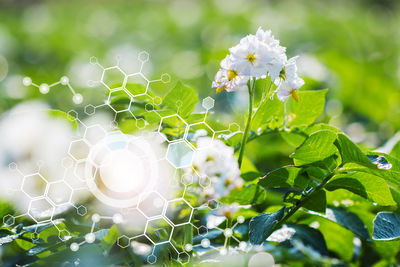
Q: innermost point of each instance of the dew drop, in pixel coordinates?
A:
(380, 161)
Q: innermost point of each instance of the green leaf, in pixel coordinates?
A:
(59, 114)
(350, 152)
(6, 236)
(269, 114)
(320, 126)
(307, 235)
(395, 152)
(250, 176)
(390, 175)
(307, 109)
(341, 244)
(317, 202)
(251, 194)
(181, 99)
(111, 238)
(366, 185)
(261, 225)
(318, 146)
(293, 138)
(386, 226)
(348, 220)
(282, 177)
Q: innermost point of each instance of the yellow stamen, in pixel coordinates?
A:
(295, 95)
(282, 74)
(209, 158)
(232, 74)
(221, 88)
(251, 58)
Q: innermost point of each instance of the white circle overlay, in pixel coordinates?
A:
(125, 165)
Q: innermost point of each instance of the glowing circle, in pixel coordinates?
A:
(27, 81)
(122, 171)
(261, 259)
(44, 88)
(188, 247)
(77, 98)
(74, 246)
(90, 238)
(120, 167)
(205, 243)
(64, 80)
(95, 217)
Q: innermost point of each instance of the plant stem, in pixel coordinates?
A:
(247, 129)
(300, 204)
(228, 239)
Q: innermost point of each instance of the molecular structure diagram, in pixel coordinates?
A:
(44, 88)
(103, 149)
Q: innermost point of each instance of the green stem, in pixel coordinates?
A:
(266, 93)
(300, 204)
(188, 238)
(247, 129)
(228, 225)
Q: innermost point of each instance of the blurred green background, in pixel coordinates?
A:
(350, 47)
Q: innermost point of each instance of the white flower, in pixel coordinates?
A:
(250, 56)
(289, 82)
(275, 65)
(216, 161)
(228, 210)
(227, 77)
(28, 135)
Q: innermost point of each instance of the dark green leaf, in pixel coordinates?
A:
(348, 220)
(386, 226)
(262, 225)
(282, 177)
(307, 235)
(250, 176)
(317, 202)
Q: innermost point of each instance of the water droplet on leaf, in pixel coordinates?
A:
(380, 161)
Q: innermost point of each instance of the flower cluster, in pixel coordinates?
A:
(214, 161)
(257, 56)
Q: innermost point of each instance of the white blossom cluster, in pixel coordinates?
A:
(215, 161)
(257, 56)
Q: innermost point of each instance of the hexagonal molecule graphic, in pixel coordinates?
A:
(119, 100)
(94, 134)
(34, 185)
(8, 220)
(208, 103)
(123, 241)
(198, 130)
(112, 77)
(79, 149)
(158, 230)
(152, 204)
(41, 210)
(177, 127)
(180, 154)
(179, 211)
(136, 84)
(159, 219)
(59, 193)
